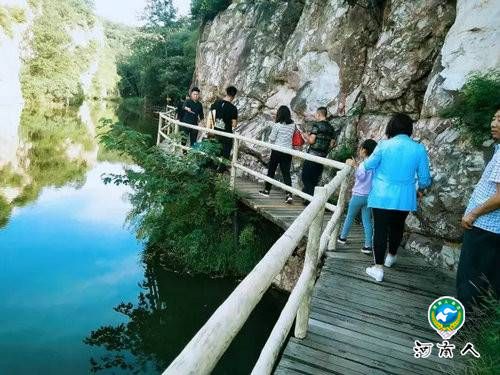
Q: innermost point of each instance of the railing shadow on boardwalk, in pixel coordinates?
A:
(345, 323)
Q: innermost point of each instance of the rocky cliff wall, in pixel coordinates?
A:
(382, 56)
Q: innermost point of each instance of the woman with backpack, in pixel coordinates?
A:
(281, 135)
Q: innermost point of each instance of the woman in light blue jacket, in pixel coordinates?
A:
(401, 170)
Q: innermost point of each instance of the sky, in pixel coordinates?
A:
(128, 11)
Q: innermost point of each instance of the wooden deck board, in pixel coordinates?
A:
(359, 326)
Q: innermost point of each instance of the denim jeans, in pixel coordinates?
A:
(359, 203)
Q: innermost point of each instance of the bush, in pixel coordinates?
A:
(475, 105)
(186, 212)
(206, 10)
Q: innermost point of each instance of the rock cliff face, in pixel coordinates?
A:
(382, 56)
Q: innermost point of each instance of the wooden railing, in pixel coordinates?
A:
(202, 353)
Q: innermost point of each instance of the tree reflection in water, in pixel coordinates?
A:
(170, 310)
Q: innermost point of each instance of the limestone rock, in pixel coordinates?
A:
(400, 62)
(472, 45)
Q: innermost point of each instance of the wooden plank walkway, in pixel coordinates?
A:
(359, 326)
(273, 208)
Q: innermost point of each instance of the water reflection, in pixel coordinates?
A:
(167, 314)
(67, 259)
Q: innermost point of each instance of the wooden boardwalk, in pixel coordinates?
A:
(359, 326)
(273, 208)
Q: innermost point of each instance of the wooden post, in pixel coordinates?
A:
(233, 163)
(332, 244)
(158, 138)
(311, 262)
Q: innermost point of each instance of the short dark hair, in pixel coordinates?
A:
(195, 89)
(323, 111)
(399, 123)
(369, 145)
(284, 115)
(231, 91)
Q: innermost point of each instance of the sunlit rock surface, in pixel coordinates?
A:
(400, 56)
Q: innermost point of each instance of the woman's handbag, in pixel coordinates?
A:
(297, 139)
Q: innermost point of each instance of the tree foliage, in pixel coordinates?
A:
(474, 106)
(185, 210)
(162, 63)
(206, 10)
(52, 73)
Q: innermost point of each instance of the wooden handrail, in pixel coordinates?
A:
(300, 154)
(202, 353)
(204, 350)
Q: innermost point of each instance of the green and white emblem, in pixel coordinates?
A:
(446, 315)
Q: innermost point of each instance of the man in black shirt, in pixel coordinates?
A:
(226, 119)
(191, 113)
(320, 140)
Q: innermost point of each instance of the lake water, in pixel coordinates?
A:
(74, 293)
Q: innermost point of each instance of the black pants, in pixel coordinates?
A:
(285, 163)
(311, 174)
(479, 266)
(192, 134)
(227, 146)
(387, 224)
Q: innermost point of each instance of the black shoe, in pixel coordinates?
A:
(366, 250)
(341, 240)
(289, 199)
(265, 193)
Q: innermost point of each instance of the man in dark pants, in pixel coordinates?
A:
(320, 139)
(192, 113)
(226, 119)
(479, 265)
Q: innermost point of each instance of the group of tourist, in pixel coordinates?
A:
(391, 176)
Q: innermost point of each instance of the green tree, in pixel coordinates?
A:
(52, 73)
(159, 14)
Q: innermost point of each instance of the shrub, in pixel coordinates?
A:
(206, 10)
(184, 210)
(475, 105)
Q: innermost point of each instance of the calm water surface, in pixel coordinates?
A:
(74, 293)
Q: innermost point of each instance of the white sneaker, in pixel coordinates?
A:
(376, 272)
(390, 260)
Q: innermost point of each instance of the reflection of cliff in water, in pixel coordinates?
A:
(45, 148)
(169, 311)
(54, 147)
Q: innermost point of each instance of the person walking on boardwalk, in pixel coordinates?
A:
(320, 139)
(359, 199)
(395, 164)
(225, 119)
(191, 113)
(479, 264)
(281, 135)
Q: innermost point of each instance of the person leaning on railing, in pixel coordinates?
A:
(395, 163)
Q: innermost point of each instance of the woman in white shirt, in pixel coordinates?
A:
(281, 135)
